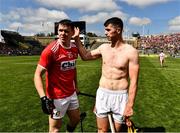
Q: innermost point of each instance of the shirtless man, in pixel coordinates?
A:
(119, 63)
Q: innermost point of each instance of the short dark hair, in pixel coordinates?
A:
(114, 21)
(66, 22)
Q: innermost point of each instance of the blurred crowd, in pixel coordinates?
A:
(170, 44)
(11, 50)
(151, 44)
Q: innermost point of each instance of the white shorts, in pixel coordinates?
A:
(108, 100)
(62, 105)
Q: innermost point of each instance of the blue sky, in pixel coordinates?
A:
(29, 17)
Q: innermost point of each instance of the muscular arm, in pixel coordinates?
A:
(133, 75)
(85, 54)
(38, 81)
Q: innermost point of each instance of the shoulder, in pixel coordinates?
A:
(74, 48)
(131, 52)
(104, 46)
(51, 44)
(51, 47)
(130, 48)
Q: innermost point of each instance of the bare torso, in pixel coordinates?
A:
(114, 67)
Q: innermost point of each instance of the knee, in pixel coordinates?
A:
(73, 123)
(76, 119)
(54, 129)
(101, 130)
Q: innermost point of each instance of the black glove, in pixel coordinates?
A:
(47, 105)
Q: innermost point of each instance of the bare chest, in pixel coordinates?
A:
(115, 58)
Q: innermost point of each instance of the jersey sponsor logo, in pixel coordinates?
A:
(68, 65)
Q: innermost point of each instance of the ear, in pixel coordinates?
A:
(119, 30)
(72, 32)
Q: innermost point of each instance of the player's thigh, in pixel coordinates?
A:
(54, 125)
(117, 126)
(102, 124)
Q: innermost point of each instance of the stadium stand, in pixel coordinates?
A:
(15, 44)
(156, 43)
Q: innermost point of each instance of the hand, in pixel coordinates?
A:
(76, 32)
(128, 121)
(128, 111)
(77, 91)
(47, 105)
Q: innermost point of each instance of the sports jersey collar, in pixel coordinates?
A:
(59, 41)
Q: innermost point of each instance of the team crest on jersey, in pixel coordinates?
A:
(69, 54)
(68, 65)
(62, 56)
(75, 55)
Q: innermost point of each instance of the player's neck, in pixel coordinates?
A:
(117, 43)
(65, 45)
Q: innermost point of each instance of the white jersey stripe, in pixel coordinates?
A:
(42, 66)
(55, 47)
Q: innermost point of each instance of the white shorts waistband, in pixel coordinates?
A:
(112, 91)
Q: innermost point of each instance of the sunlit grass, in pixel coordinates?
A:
(156, 109)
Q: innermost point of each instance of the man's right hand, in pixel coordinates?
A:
(47, 105)
(76, 33)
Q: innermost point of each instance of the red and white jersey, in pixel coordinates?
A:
(60, 64)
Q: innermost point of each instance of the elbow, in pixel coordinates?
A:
(84, 59)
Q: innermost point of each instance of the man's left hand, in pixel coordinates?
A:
(76, 32)
(128, 111)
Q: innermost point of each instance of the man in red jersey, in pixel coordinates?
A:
(58, 60)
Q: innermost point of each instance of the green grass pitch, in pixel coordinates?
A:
(157, 105)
